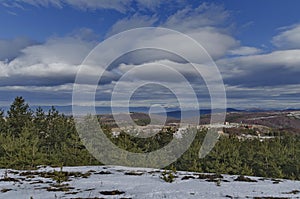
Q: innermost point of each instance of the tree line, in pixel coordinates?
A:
(31, 138)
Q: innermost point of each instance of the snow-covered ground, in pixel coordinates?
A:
(142, 183)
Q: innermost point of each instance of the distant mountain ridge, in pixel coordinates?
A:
(171, 112)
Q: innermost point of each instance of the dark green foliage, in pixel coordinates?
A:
(141, 145)
(21, 151)
(168, 176)
(28, 140)
(278, 158)
(18, 115)
(143, 122)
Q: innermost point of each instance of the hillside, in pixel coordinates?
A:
(288, 121)
(279, 120)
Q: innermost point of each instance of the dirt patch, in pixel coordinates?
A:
(59, 187)
(133, 173)
(242, 178)
(187, 177)
(113, 192)
(292, 192)
(103, 173)
(9, 179)
(210, 177)
(5, 190)
(276, 181)
(59, 176)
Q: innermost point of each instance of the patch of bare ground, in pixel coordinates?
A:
(242, 178)
(113, 192)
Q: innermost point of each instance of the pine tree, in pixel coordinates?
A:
(40, 119)
(29, 147)
(21, 152)
(18, 115)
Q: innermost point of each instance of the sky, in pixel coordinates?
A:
(255, 45)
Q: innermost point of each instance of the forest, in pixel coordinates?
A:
(29, 138)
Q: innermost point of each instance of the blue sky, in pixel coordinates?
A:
(256, 45)
(256, 21)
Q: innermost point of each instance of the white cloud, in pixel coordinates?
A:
(57, 50)
(160, 39)
(245, 50)
(167, 71)
(264, 97)
(43, 3)
(289, 38)
(150, 4)
(84, 34)
(59, 88)
(119, 5)
(206, 24)
(216, 43)
(10, 49)
(58, 57)
(135, 21)
(289, 59)
(206, 15)
(271, 69)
